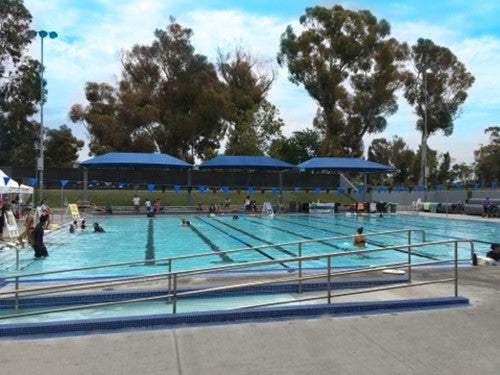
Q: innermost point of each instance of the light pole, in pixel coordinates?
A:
(423, 68)
(40, 165)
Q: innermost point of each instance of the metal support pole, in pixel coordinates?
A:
(456, 269)
(169, 275)
(16, 297)
(300, 268)
(174, 298)
(329, 280)
(409, 257)
(188, 187)
(17, 258)
(280, 199)
(365, 186)
(85, 185)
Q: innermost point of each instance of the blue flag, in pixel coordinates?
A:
(177, 188)
(202, 189)
(151, 187)
(274, 190)
(340, 190)
(399, 189)
(439, 187)
(33, 181)
(296, 189)
(494, 185)
(381, 189)
(250, 189)
(6, 180)
(458, 186)
(225, 189)
(360, 189)
(317, 190)
(420, 188)
(63, 183)
(121, 185)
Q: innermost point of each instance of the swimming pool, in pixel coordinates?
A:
(141, 238)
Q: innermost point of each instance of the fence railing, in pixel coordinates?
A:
(173, 293)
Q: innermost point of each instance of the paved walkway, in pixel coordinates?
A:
(452, 341)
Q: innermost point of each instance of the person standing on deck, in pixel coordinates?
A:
(136, 201)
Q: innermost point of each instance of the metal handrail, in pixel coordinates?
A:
(175, 294)
(199, 255)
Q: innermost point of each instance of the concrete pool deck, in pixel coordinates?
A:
(447, 341)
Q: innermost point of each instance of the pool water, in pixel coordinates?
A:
(142, 238)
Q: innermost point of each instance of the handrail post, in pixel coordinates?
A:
(300, 268)
(17, 258)
(456, 268)
(329, 280)
(169, 275)
(174, 297)
(472, 251)
(409, 257)
(16, 297)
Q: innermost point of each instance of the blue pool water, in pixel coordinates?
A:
(141, 238)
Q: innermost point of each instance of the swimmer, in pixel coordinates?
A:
(71, 228)
(98, 228)
(185, 222)
(83, 225)
(359, 239)
(235, 217)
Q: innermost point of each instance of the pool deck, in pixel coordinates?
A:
(461, 340)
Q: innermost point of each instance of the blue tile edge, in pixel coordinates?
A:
(166, 321)
(74, 299)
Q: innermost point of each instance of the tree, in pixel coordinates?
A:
(461, 173)
(169, 100)
(61, 148)
(255, 131)
(348, 65)
(252, 121)
(443, 173)
(19, 87)
(445, 87)
(395, 153)
(487, 157)
(301, 146)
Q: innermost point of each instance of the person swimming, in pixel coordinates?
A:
(71, 228)
(359, 239)
(98, 228)
(235, 217)
(83, 225)
(185, 222)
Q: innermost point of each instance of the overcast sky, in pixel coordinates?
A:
(92, 34)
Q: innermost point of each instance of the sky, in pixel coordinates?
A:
(93, 34)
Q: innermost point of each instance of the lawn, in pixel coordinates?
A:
(55, 198)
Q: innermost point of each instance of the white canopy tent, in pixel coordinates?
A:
(12, 187)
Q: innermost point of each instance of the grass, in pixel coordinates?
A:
(55, 198)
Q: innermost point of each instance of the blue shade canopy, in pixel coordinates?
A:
(135, 159)
(246, 162)
(345, 164)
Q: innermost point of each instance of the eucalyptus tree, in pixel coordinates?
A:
(350, 67)
(487, 157)
(169, 99)
(437, 89)
(19, 86)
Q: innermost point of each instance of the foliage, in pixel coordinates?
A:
(255, 131)
(19, 87)
(461, 173)
(443, 173)
(487, 157)
(348, 65)
(61, 148)
(438, 93)
(169, 100)
(301, 146)
(252, 121)
(395, 153)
